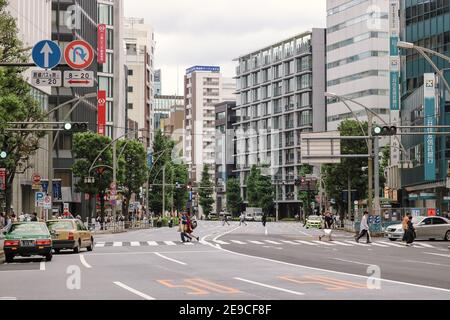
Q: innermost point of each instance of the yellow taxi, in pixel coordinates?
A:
(70, 234)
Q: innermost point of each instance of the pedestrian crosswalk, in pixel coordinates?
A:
(241, 242)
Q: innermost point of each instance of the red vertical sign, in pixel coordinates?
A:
(2, 179)
(101, 41)
(101, 112)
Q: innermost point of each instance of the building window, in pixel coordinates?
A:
(130, 89)
(105, 14)
(131, 49)
(130, 72)
(130, 106)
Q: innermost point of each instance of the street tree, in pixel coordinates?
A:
(253, 196)
(161, 166)
(233, 194)
(16, 104)
(351, 171)
(206, 191)
(86, 147)
(132, 170)
(265, 190)
(181, 194)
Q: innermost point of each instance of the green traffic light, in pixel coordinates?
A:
(68, 126)
(377, 130)
(3, 155)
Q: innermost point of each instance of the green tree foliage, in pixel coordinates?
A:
(132, 169)
(16, 103)
(181, 195)
(206, 191)
(252, 191)
(304, 196)
(234, 199)
(336, 175)
(86, 147)
(162, 150)
(265, 189)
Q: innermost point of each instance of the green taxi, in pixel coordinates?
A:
(314, 221)
(27, 239)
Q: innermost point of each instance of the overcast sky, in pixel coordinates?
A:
(214, 32)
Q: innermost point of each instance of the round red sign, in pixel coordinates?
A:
(79, 55)
(36, 179)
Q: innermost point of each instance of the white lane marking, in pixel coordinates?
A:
(376, 244)
(355, 262)
(138, 253)
(323, 242)
(99, 244)
(438, 254)
(220, 242)
(140, 294)
(42, 266)
(271, 287)
(289, 242)
(7, 298)
(429, 263)
(256, 242)
(117, 244)
(238, 242)
(170, 243)
(272, 242)
(152, 243)
(392, 244)
(135, 243)
(306, 242)
(424, 245)
(83, 261)
(266, 232)
(357, 243)
(170, 259)
(343, 244)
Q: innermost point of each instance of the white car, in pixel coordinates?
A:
(426, 228)
(258, 216)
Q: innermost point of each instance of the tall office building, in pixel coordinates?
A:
(280, 95)
(140, 48)
(33, 21)
(163, 107)
(357, 58)
(426, 24)
(204, 87)
(72, 20)
(158, 83)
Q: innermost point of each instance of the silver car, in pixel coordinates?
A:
(426, 228)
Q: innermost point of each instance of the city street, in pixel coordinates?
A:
(234, 263)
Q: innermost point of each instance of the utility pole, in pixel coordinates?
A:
(349, 195)
(164, 191)
(377, 175)
(370, 162)
(114, 209)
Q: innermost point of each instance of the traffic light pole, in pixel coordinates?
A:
(370, 163)
(377, 175)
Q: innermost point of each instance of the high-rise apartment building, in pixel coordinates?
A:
(280, 95)
(204, 87)
(357, 58)
(140, 48)
(34, 24)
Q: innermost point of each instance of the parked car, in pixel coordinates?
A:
(27, 239)
(70, 234)
(314, 221)
(253, 214)
(426, 228)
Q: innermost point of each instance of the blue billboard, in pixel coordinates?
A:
(430, 120)
(203, 68)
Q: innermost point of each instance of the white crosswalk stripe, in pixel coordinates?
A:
(392, 244)
(256, 242)
(357, 243)
(423, 245)
(324, 243)
(237, 241)
(117, 244)
(135, 243)
(376, 244)
(342, 244)
(272, 242)
(220, 242)
(188, 243)
(170, 243)
(289, 242)
(100, 244)
(152, 243)
(306, 242)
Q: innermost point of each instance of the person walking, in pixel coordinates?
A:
(364, 228)
(242, 219)
(264, 220)
(410, 232)
(328, 225)
(191, 225)
(34, 217)
(225, 219)
(405, 226)
(185, 237)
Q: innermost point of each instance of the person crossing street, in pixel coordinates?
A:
(242, 219)
(364, 228)
(328, 225)
(225, 219)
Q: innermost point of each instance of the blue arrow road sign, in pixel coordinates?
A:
(46, 54)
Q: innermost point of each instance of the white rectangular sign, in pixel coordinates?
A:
(46, 78)
(320, 147)
(83, 79)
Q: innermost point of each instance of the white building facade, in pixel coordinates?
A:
(357, 58)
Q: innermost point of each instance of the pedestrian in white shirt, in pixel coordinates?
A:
(364, 228)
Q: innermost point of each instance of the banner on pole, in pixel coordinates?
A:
(101, 112)
(101, 41)
(430, 120)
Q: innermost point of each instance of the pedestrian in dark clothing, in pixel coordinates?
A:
(225, 219)
(184, 228)
(410, 232)
(264, 220)
(34, 217)
(328, 225)
(364, 228)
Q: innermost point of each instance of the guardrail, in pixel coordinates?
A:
(119, 226)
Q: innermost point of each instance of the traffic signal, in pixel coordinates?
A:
(76, 126)
(384, 131)
(3, 149)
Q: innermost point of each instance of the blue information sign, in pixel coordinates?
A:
(46, 54)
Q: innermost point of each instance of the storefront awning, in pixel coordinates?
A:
(431, 185)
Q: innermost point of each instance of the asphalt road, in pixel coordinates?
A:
(234, 263)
